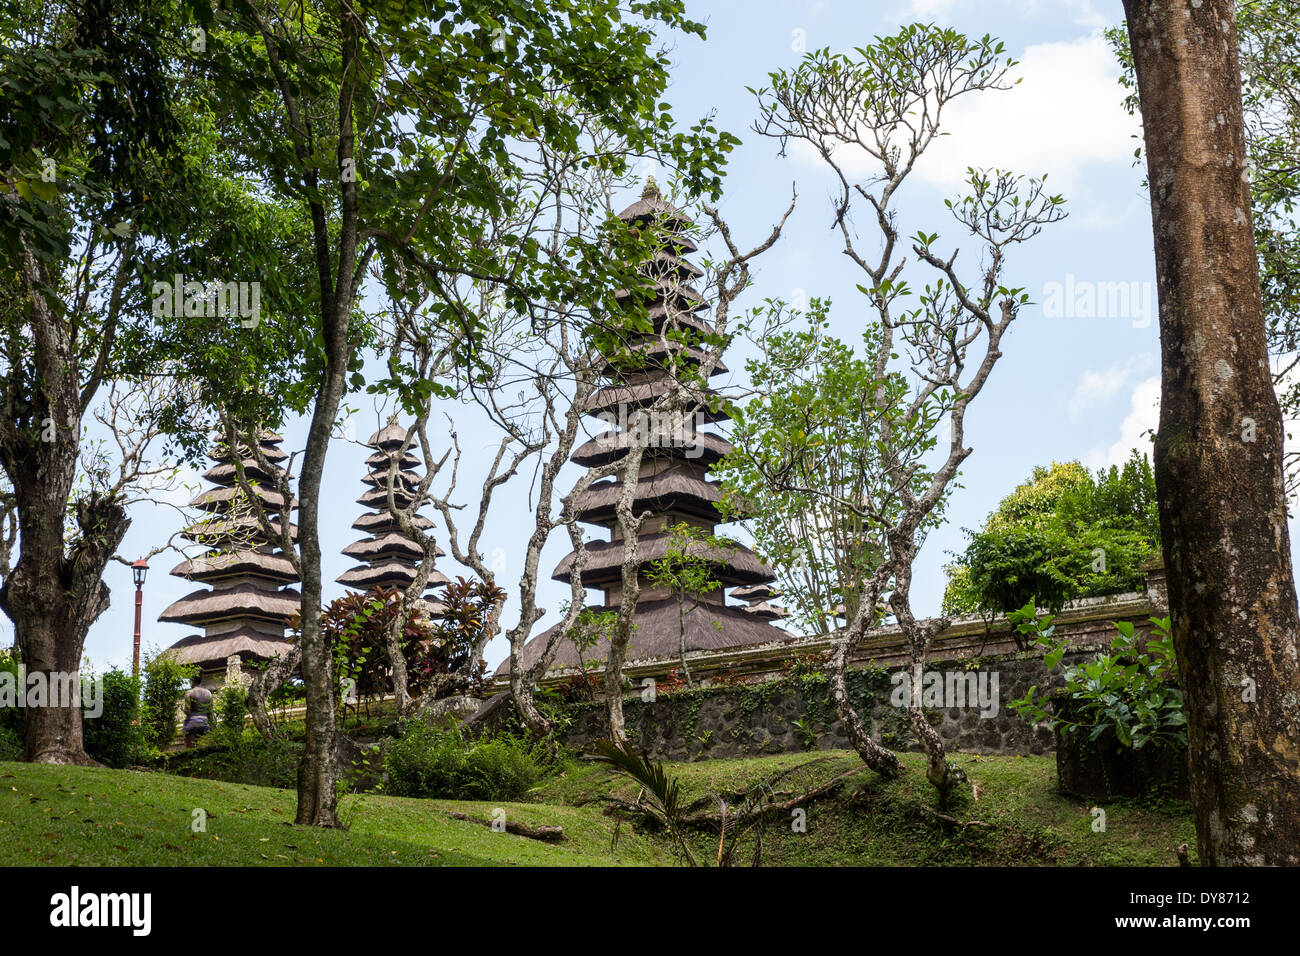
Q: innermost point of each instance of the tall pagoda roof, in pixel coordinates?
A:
(390, 559)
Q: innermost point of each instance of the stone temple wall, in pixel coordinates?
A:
(794, 713)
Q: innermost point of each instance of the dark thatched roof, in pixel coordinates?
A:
(765, 611)
(656, 634)
(393, 543)
(241, 530)
(680, 488)
(274, 567)
(732, 564)
(248, 643)
(643, 394)
(610, 446)
(245, 600)
(387, 574)
(389, 438)
(380, 459)
(378, 498)
(381, 521)
(759, 592)
(653, 354)
(223, 473)
(222, 499)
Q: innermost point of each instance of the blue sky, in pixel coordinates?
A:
(1069, 387)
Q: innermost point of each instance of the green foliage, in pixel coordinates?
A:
(231, 708)
(664, 801)
(807, 456)
(251, 760)
(444, 764)
(11, 718)
(1064, 534)
(1131, 691)
(165, 682)
(357, 627)
(116, 736)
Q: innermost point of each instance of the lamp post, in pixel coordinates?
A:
(138, 570)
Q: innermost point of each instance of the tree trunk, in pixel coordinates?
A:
(1218, 453)
(56, 590)
(882, 761)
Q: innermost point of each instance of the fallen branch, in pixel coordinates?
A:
(547, 833)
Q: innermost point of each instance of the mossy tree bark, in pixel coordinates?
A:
(1218, 453)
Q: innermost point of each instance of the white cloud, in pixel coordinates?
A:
(1096, 387)
(1065, 117)
(1143, 417)
(1078, 12)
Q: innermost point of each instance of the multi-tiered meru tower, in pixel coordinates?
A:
(672, 483)
(244, 608)
(390, 558)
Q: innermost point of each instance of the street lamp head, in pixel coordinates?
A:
(138, 570)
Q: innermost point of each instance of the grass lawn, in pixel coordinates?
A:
(62, 816)
(90, 816)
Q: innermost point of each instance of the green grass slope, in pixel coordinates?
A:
(61, 816)
(91, 816)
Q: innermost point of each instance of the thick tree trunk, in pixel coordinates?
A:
(1218, 453)
(56, 590)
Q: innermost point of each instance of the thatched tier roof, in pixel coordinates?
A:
(607, 400)
(223, 473)
(731, 564)
(219, 500)
(247, 642)
(765, 611)
(392, 543)
(709, 627)
(214, 565)
(664, 263)
(383, 521)
(758, 592)
(389, 438)
(403, 479)
(219, 451)
(378, 498)
(245, 600)
(243, 531)
(380, 459)
(653, 354)
(387, 574)
(665, 289)
(678, 489)
(610, 446)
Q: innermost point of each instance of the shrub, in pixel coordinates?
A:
(255, 761)
(1131, 691)
(231, 708)
(116, 737)
(11, 718)
(165, 682)
(425, 762)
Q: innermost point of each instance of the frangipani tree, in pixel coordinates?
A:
(930, 350)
